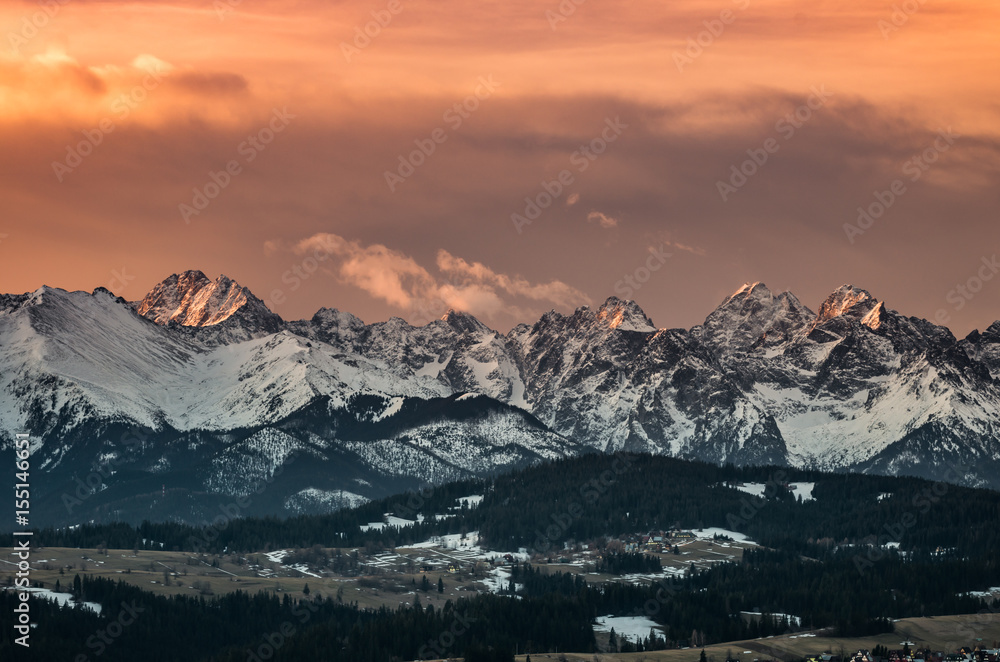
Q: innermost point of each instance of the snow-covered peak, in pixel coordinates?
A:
(624, 316)
(846, 301)
(464, 322)
(747, 290)
(191, 299)
(334, 317)
(754, 316)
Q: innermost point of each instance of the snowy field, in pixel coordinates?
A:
(632, 628)
(804, 490)
(61, 598)
(278, 556)
(712, 531)
(388, 519)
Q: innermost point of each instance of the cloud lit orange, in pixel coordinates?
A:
(184, 84)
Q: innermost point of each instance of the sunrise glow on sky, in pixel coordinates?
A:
(719, 141)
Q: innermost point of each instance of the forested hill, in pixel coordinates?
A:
(545, 506)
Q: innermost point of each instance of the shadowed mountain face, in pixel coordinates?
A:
(203, 391)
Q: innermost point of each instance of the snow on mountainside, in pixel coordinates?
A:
(637, 388)
(220, 391)
(454, 354)
(754, 317)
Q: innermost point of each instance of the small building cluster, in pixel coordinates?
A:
(964, 654)
(656, 542)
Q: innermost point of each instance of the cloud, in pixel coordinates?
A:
(665, 238)
(399, 280)
(606, 222)
(690, 249)
(55, 87)
(555, 292)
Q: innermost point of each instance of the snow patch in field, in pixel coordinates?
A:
(804, 490)
(304, 569)
(985, 595)
(276, 557)
(61, 598)
(712, 531)
(498, 580)
(632, 628)
(391, 520)
(471, 501)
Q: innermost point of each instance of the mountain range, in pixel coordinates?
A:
(173, 406)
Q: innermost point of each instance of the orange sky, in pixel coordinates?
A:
(182, 85)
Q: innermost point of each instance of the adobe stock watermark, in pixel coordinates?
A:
(899, 17)
(967, 291)
(122, 107)
(914, 168)
(234, 510)
(580, 159)
(415, 500)
(364, 34)
(33, 24)
(713, 30)
(300, 272)
(922, 502)
(249, 149)
(629, 284)
(437, 647)
(119, 280)
(565, 9)
(591, 492)
(784, 127)
(668, 587)
(749, 510)
(273, 641)
(100, 641)
(969, 630)
(454, 117)
(93, 482)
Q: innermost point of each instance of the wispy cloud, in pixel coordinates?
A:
(605, 221)
(690, 249)
(399, 280)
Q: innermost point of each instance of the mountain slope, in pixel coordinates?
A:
(215, 391)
